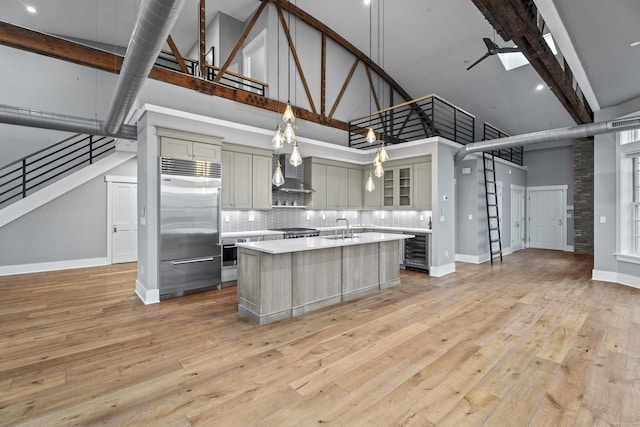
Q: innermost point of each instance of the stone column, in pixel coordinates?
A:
(583, 195)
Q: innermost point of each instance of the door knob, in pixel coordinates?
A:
(115, 228)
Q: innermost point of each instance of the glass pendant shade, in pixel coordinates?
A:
(378, 171)
(378, 158)
(296, 159)
(277, 141)
(288, 115)
(371, 136)
(289, 135)
(384, 156)
(369, 185)
(278, 178)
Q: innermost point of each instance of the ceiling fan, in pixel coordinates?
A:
(493, 49)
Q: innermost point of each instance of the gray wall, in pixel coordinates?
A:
(472, 237)
(71, 227)
(552, 166)
(605, 190)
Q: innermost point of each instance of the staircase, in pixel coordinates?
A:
(491, 196)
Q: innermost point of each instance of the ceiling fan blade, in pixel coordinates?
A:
(486, 55)
(490, 45)
(508, 50)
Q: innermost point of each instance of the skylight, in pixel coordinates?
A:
(517, 59)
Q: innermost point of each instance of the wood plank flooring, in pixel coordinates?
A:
(532, 341)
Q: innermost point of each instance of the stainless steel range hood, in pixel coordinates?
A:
(291, 183)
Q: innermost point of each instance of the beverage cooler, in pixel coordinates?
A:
(416, 252)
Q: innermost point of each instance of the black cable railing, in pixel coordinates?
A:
(417, 119)
(29, 174)
(513, 154)
(167, 60)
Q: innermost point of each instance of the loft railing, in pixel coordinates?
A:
(513, 154)
(29, 174)
(167, 60)
(417, 119)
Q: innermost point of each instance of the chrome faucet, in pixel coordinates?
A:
(348, 230)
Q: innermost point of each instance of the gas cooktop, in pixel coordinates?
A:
(293, 232)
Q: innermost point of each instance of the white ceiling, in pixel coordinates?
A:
(427, 47)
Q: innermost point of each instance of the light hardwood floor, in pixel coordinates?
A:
(530, 342)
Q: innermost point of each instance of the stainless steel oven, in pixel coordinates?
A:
(230, 256)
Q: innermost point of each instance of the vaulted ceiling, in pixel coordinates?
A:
(426, 46)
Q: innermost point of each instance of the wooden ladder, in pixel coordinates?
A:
(491, 196)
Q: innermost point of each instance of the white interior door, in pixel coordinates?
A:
(517, 218)
(124, 232)
(546, 219)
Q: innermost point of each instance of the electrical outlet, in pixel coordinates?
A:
(308, 217)
(252, 217)
(226, 218)
(470, 217)
(323, 217)
(446, 253)
(421, 217)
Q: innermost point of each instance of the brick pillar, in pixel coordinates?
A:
(583, 195)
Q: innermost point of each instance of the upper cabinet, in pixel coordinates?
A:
(246, 178)
(422, 186)
(403, 186)
(189, 146)
(338, 185)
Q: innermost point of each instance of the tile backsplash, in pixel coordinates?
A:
(280, 217)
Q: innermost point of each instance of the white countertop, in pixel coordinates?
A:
(312, 243)
(377, 227)
(231, 234)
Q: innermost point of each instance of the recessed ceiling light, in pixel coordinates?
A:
(634, 44)
(367, 2)
(31, 9)
(540, 87)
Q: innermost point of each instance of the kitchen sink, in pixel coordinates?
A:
(340, 237)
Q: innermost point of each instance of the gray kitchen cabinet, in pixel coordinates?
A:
(397, 185)
(315, 175)
(337, 189)
(261, 182)
(246, 179)
(373, 199)
(188, 146)
(422, 186)
(355, 186)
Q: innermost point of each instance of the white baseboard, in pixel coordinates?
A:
(151, 296)
(8, 270)
(615, 277)
(568, 248)
(439, 271)
(472, 259)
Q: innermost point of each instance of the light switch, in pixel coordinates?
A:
(466, 171)
(441, 218)
(603, 220)
(470, 217)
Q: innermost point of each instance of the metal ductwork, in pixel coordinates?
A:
(154, 22)
(575, 132)
(40, 119)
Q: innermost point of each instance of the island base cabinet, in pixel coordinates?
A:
(359, 270)
(316, 279)
(265, 294)
(389, 271)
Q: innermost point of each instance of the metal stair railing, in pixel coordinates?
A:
(491, 197)
(33, 172)
(513, 154)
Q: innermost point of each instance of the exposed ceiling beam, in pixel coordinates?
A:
(516, 20)
(43, 44)
(176, 53)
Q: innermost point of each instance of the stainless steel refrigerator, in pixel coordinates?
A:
(190, 244)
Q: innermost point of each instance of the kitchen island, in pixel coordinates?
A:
(284, 278)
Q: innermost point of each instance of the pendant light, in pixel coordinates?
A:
(371, 135)
(277, 141)
(369, 185)
(278, 178)
(288, 117)
(296, 159)
(378, 170)
(384, 156)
